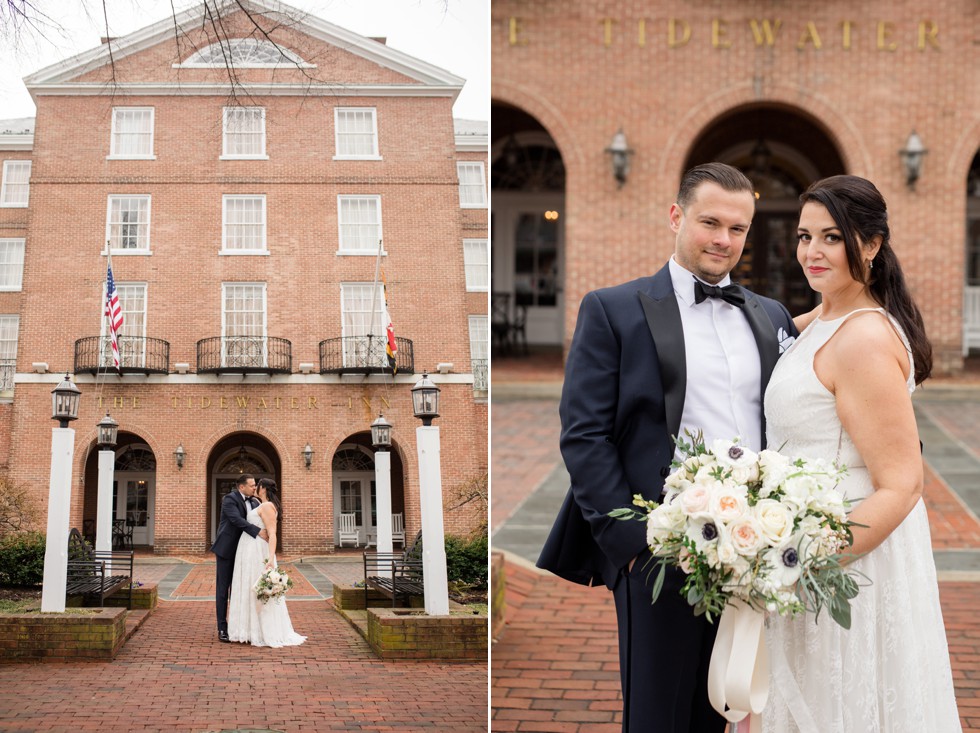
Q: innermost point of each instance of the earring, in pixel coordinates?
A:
(871, 264)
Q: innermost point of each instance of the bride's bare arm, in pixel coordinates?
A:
(866, 366)
(269, 515)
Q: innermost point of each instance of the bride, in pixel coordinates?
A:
(250, 620)
(843, 392)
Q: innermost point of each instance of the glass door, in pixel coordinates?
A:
(134, 505)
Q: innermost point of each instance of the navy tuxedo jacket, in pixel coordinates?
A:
(622, 400)
(232, 524)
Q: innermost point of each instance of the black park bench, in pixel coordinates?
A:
(94, 574)
(395, 574)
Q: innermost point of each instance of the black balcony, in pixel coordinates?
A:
(137, 355)
(244, 355)
(364, 355)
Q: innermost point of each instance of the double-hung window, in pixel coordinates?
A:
(356, 133)
(477, 264)
(479, 351)
(9, 325)
(128, 224)
(363, 331)
(359, 218)
(11, 264)
(132, 133)
(243, 334)
(472, 185)
(244, 133)
(243, 224)
(15, 190)
(131, 338)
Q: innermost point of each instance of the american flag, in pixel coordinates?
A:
(113, 311)
(391, 347)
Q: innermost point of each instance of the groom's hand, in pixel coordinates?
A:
(264, 535)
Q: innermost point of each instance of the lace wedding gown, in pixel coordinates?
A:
(250, 620)
(890, 672)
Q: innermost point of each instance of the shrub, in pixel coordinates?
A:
(466, 560)
(22, 559)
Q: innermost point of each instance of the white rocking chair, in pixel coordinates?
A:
(398, 529)
(348, 531)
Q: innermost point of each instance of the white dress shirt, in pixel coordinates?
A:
(723, 373)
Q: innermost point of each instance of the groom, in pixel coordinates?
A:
(234, 507)
(682, 350)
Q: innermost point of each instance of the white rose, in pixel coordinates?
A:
(662, 522)
(775, 520)
(727, 554)
(799, 489)
(678, 480)
(695, 499)
(747, 536)
(728, 503)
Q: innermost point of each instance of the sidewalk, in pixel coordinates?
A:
(555, 665)
(174, 675)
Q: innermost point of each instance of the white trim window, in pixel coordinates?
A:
(11, 263)
(132, 335)
(359, 220)
(132, 133)
(243, 324)
(243, 224)
(15, 191)
(364, 334)
(472, 184)
(9, 329)
(243, 135)
(479, 352)
(356, 133)
(476, 261)
(244, 53)
(128, 224)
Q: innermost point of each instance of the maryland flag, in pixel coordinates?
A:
(391, 347)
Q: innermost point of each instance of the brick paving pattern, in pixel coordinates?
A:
(200, 581)
(173, 675)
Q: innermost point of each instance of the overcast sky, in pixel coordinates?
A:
(451, 34)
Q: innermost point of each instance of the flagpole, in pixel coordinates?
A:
(374, 290)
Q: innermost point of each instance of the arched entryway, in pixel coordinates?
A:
(232, 456)
(355, 489)
(527, 179)
(133, 492)
(971, 288)
(782, 151)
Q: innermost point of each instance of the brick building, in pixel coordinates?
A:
(789, 92)
(243, 207)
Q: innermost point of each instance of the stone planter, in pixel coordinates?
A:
(401, 634)
(498, 590)
(86, 634)
(143, 597)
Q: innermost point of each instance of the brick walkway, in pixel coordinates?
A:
(555, 665)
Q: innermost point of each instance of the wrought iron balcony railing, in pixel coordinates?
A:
(244, 355)
(481, 382)
(137, 355)
(8, 367)
(364, 355)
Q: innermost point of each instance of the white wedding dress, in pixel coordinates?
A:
(250, 620)
(890, 672)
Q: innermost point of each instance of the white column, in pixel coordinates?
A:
(103, 532)
(433, 535)
(59, 502)
(382, 483)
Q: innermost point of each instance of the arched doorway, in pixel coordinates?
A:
(782, 152)
(355, 489)
(232, 456)
(971, 288)
(133, 491)
(527, 180)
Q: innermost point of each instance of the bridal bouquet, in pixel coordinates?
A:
(273, 583)
(761, 528)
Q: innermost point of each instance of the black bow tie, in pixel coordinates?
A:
(730, 293)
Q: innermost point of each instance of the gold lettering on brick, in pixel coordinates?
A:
(641, 32)
(172, 399)
(311, 403)
(366, 401)
(607, 24)
(845, 36)
(765, 31)
(293, 403)
(278, 402)
(928, 33)
(262, 404)
(205, 403)
(242, 401)
(117, 402)
(385, 402)
(885, 30)
(222, 403)
(516, 29)
(719, 28)
(810, 35)
(673, 40)
(136, 403)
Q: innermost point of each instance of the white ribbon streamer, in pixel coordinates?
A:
(738, 678)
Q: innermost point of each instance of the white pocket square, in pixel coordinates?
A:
(785, 340)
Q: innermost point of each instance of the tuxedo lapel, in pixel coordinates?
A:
(664, 321)
(767, 343)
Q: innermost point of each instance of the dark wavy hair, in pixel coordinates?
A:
(859, 210)
(272, 491)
